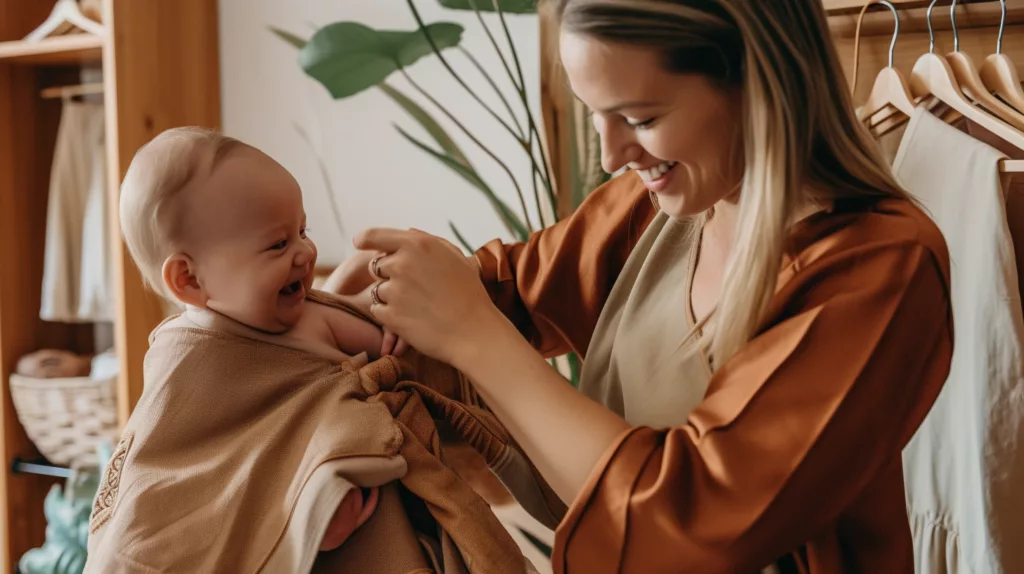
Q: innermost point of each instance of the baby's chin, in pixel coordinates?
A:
(274, 319)
(276, 323)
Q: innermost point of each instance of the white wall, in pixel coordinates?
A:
(379, 178)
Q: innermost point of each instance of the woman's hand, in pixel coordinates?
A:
(429, 293)
(433, 297)
(353, 277)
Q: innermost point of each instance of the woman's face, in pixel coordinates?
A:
(679, 132)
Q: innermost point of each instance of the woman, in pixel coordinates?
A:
(761, 339)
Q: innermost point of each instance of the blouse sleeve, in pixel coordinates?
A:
(791, 430)
(553, 286)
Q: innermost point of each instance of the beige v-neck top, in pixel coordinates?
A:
(641, 337)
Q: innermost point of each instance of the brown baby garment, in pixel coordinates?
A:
(243, 444)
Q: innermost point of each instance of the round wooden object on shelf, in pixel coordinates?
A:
(53, 363)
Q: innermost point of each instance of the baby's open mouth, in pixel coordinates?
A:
(292, 289)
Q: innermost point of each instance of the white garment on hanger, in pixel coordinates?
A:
(77, 283)
(964, 469)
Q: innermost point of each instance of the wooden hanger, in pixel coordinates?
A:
(65, 15)
(71, 91)
(971, 84)
(890, 89)
(932, 76)
(999, 73)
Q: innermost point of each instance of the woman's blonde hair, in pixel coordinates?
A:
(802, 142)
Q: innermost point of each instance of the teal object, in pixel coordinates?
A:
(67, 510)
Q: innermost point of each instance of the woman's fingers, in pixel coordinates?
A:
(383, 239)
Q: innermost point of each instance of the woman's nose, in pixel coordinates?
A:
(617, 148)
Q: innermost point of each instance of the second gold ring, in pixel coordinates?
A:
(374, 295)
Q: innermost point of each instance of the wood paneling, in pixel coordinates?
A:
(164, 72)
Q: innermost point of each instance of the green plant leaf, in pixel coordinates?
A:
(348, 57)
(508, 217)
(507, 6)
(289, 37)
(427, 121)
(458, 236)
(575, 366)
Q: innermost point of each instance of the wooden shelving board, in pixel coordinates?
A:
(71, 49)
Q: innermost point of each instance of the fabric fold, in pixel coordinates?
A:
(243, 445)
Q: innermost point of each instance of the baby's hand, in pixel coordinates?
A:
(393, 344)
(352, 513)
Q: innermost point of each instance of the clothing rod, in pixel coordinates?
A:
(23, 467)
(75, 90)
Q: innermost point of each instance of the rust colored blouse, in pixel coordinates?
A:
(793, 457)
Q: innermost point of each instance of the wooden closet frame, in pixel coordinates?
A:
(161, 68)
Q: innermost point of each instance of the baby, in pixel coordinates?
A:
(215, 224)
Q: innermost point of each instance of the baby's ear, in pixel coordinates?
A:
(180, 279)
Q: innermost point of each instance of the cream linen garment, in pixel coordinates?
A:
(964, 469)
(77, 284)
(638, 363)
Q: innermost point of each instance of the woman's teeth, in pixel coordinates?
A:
(657, 171)
(292, 289)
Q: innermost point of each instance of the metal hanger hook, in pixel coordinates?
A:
(931, 31)
(895, 31)
(1002, 27)
(952, 21)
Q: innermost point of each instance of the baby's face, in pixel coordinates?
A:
(248, 240)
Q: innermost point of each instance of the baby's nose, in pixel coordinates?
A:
(304, 255)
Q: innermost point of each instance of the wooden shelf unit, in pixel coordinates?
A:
(160, 64)
(67, 50)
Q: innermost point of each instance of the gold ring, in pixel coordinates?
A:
(374, 296)
(375, 267)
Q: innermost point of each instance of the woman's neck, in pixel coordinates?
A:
(722, 223)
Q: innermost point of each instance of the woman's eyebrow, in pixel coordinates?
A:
(628, 105)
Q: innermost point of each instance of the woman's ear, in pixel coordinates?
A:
(179, 273)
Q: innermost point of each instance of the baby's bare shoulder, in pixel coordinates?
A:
(316, 324)
(351, 334)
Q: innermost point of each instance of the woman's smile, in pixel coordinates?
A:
(657, 177)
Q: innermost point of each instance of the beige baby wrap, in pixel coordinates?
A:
(243, 445)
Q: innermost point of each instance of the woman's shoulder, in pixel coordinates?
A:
(864, 226)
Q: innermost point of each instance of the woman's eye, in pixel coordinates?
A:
(640, 125)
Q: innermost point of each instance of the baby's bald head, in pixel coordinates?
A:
(151, 206)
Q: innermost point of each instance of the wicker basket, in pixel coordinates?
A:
(67, 418)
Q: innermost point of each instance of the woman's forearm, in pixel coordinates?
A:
(563, 432)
